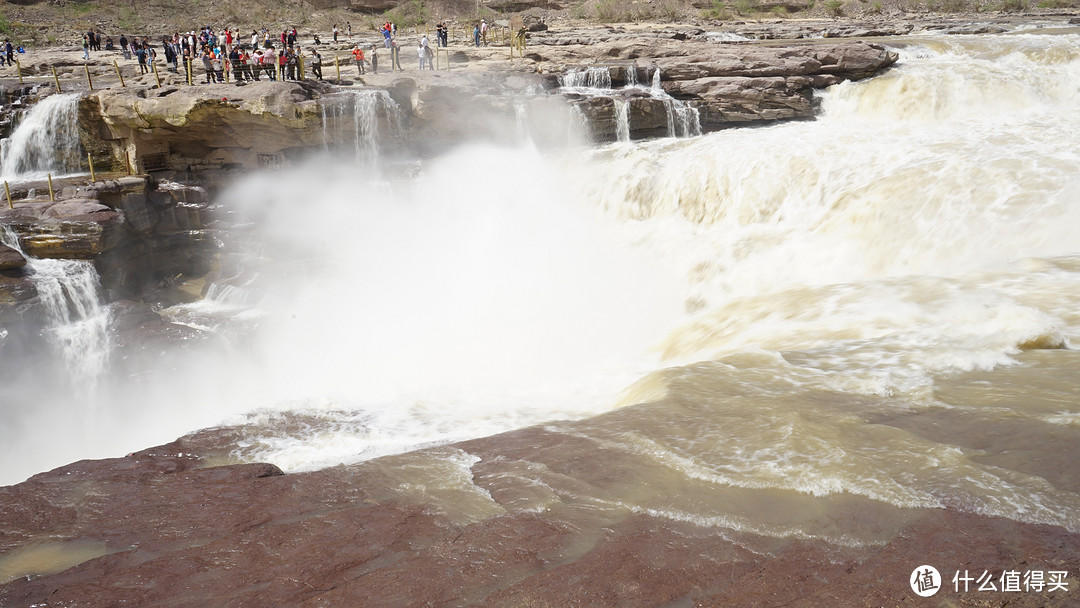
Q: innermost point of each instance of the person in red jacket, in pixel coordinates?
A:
(358, 55)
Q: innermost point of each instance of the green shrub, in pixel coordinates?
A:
(611, 11)
(875, 7)
(85, 7)
(719, 10)
(834, 7)
(747, 7)
(665, 10)
(408, 14)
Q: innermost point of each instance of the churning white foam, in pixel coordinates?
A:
(470, 300)
(900, 255)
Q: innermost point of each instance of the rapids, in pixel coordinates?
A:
(807, 330)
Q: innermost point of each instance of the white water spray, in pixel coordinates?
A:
(440, 309)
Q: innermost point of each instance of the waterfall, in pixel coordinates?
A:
(359, 111)
(683, 120)
(579, 123)
(76, 319)
(9, 238)
(622, 119)
(521, 121)
(593, 78)
(46, 140)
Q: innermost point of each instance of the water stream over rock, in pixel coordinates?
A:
(46, 140)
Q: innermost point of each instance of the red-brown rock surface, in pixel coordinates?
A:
(179, 534)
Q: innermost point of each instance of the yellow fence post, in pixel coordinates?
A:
(7, 192)
(90, 161)
(56, 78)
(118, 74)
(337, 67)
(300, 64)
(190, 71)
(89, 82)
(52, 194)
(127, 158)
(18, 66)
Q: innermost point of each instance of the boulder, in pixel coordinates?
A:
(81, 210)
(10, 259)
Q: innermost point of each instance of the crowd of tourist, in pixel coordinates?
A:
(228, 54)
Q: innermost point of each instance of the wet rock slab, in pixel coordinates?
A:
(177, 532)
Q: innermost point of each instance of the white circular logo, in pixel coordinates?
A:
(925, 581)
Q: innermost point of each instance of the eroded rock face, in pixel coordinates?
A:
(10, 259)
(728, 84)
(213, 126)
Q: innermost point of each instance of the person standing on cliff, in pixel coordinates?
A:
(348, 30)
(140, 53)
(441, 38)
(335, 30)
(208, 65)
(85, 48)
(237, 66)
(252, 61)
(358, 56)
(270, 62)
(316, 64)
(292, 64)
(9, 52)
